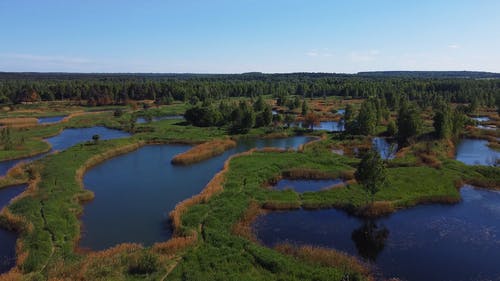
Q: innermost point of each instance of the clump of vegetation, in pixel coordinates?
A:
(203, 151)
(145, 263)
(371, 173)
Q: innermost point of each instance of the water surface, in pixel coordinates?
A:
(386, 149)
(427, 243)
(330, 126)
(481, 118)
(8, 238)
(66, 139)
(134, 193)
(51, 119)
(302, 185)
(476, 152)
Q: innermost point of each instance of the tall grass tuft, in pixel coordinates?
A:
(203, 151)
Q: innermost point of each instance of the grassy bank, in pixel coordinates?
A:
(203, 151)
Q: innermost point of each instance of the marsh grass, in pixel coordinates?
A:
(203, 151)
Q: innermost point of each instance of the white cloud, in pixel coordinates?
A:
(454, 46)
(325, 52)
(312, 54)
(45, 59)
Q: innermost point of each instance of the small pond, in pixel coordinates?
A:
(134, 193)
(8, 238)
(386, 149)
(476, 152)
(330, 126)
(302, 185)
(426, 243)
(52, 119)
(66, 139)
(481, 118)
(142, 120)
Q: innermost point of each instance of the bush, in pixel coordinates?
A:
(146, 263)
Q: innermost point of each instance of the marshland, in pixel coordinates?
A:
(198, 187)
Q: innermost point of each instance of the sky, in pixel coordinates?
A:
(235, 36)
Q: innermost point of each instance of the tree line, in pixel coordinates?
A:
(106, 89)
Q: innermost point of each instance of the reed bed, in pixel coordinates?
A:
(18, 121)
(326, 257)
(243, 227)
(176, 244)
(203, 151)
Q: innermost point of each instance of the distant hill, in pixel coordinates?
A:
(430, 74)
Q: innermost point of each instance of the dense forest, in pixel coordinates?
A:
(105, 89)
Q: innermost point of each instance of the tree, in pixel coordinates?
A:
(392, 129)
(366, 123)
(371, 173)
(259, 104)
(305, 108)
(96, 138)
(289, 119)
(264, 117)
(311, 120)
(443, 126)
(409, 123)
(243, 118)
(6, 138)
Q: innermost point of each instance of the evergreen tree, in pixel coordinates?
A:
(366, 121)
(409, 123)
(443, 126)
(305, 108)
(371, 172)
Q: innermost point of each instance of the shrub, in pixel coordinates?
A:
(146, 263)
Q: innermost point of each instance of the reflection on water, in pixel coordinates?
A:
(458, 242)
(8, 238)
(476, 152)
(330, 126)
(370, 239)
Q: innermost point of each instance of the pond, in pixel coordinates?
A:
(8, 238)
(476, 152)
(135, 192)
(142, 120)
(341, 111)
(66, 139)
(303, 185)
(330, 126)
(481, 118)
(433, 242)
(51, 119)
(386, 149)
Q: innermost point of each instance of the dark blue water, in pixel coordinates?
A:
(384, 148)
(427, 243)
(330, 126)
(8, 238)
(306, 185)
(142, 120)
(52, 119)
(134, 193)
(476, 152)
(66, 139)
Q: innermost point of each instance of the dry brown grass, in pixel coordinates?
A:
(175, 244)
(377, 209)
(203, 151)
(19, 121)
(243, 227)
(325, 257)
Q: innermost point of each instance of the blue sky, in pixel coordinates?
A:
(233, 36)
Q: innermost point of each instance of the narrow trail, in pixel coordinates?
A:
(52, 237)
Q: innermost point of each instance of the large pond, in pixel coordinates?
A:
(476, 152)
(427, 243)
(51, 119)
(66, 139)
(8, 238)
(134, 193)
(303, 185)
